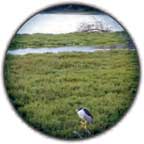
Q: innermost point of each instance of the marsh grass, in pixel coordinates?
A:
(70, 39)
(46, 89)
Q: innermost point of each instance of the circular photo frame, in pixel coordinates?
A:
(71, 71)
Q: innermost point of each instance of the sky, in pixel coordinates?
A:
(57, 23)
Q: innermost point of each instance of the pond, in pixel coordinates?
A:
(24, 51)
(65, 23)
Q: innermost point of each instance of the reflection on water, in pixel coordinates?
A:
(25, 51)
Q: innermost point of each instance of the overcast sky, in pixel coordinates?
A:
(63, 23)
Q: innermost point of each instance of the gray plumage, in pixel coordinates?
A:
(84, 114)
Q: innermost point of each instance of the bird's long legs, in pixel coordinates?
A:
(83, 124)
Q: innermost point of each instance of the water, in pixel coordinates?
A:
(65, 23)
(85, 49)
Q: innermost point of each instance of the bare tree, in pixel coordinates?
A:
(96, 26)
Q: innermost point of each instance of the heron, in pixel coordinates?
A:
(86, 117)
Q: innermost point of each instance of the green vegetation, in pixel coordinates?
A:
(70, 39)
(47, 88)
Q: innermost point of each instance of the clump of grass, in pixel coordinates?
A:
(46, 89)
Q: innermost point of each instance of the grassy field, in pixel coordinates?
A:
(71, 39)
(46, 89)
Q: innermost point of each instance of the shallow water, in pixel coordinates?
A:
(24, 51)
(65, 23)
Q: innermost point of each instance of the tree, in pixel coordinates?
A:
(97, 26)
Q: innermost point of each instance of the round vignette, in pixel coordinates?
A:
(137, 88)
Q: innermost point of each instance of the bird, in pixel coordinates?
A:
(85, 116)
